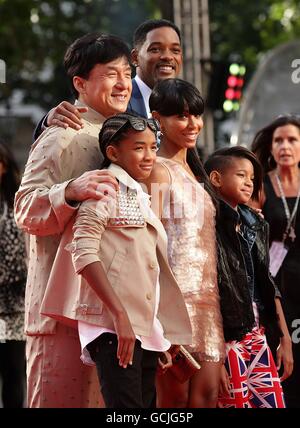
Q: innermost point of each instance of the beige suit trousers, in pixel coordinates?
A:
(56, 377)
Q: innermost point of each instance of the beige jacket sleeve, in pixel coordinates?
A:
(40, 206)
(89, 226)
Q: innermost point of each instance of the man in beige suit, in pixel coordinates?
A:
(125, 286)
(54, 182)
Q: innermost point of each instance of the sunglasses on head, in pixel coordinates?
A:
(137, 124)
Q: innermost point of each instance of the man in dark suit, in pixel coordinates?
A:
(157, 54)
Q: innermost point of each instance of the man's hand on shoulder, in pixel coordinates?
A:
(95, 184)
(66, 115)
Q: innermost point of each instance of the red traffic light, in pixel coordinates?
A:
(232, 81)
(240, 82)
(229, 94)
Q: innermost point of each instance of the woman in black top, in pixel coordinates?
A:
(278, 148)
(13, 273)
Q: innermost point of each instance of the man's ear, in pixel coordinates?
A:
(79, 84)
(134, 57)
(112, 153)
(215, 179)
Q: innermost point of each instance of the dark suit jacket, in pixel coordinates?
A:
(136, 105)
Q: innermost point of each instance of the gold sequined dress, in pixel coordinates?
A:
(189, 220)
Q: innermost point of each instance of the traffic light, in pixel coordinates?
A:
(233, 92)
(217, 85)
(226, 86)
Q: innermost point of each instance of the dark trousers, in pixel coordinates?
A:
(12, 372)
(133, 387)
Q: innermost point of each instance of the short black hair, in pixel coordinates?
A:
(176, 96)
(142, 30)
(222, 159)
(91, 49)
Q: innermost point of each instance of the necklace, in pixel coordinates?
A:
(291, 218)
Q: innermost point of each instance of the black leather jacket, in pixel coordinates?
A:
(236, 303)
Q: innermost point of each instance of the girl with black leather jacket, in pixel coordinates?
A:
(250, 301)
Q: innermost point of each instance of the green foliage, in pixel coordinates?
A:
(34, 35)
(249, 28)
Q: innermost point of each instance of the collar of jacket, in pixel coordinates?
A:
(247, 214)
(91, 115)
(123, 177)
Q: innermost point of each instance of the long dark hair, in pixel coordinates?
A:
(175, 96)
(262, 142)
(10, 180)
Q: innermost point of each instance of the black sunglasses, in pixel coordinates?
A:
(138, 124)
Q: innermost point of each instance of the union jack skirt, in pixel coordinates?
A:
(253, 375)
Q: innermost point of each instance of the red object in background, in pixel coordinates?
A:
(230, 94)
(232, 81)
(240, 82)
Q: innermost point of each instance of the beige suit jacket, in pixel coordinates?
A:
(58, 156)
(131, 249)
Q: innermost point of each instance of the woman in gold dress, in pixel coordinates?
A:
(182, 197)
